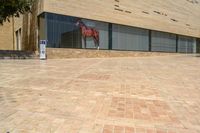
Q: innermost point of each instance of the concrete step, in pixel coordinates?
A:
(13, 54)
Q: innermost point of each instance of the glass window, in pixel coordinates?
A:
(100, 27)
(129, 38)
(197, 45)
(163, 42)
(64, 32)
(186, 44)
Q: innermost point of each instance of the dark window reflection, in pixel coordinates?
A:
(130, 38)
(164, 42)
(186, 44)
(62, 32)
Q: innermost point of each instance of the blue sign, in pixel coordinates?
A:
(43, 44)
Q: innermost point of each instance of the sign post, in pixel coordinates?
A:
(43, 44)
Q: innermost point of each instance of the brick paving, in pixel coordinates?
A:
(114, 95)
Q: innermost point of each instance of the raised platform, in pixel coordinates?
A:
(14, 54)
(61, 53)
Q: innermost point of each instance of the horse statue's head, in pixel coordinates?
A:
(79, 22)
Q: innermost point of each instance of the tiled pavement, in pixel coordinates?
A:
(116, 95)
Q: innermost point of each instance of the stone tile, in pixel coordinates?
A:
(113, 95)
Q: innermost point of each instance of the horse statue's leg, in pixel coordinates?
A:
(96, 42)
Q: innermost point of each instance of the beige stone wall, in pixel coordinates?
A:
(30, 28)
(18, 23)
(6, 36)
(40, 6)
(174, 16)
(28, 25)
(62, 53)
(8, 33)
(139, 13)
(17, 26)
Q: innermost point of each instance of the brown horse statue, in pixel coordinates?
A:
(88, 32)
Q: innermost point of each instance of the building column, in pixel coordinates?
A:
(150, 41)
(110, 36)
(13, 30)
(177, 43)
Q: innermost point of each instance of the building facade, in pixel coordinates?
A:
(132, 25)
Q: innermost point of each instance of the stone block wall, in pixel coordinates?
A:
(6, 36)
(28, 25)
(62, 53)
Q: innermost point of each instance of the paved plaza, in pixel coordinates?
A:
(158, 94)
